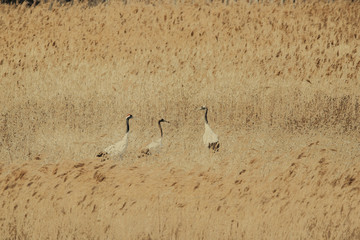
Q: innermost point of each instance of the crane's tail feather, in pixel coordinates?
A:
(144, 153)
(101, 154)
(214, 146)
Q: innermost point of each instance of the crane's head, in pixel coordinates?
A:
(203, 108)
(129, 116)
(163, 120)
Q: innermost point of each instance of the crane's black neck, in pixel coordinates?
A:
(206, 111)
(161, 131)
(127, 125)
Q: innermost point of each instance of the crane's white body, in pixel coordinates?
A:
(119, 148)
(210, 139)
(155, 146)
(209, 136)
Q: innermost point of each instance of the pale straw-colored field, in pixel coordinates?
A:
(282, 84)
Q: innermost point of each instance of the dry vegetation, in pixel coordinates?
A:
(282, 85)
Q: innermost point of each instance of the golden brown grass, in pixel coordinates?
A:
(309, 191)
(282, 86)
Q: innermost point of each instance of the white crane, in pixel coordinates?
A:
(119, 148)
(210, 139)
(155, 146)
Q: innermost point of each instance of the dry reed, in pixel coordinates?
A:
(274, 77)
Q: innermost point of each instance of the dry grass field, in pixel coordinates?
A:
(282, 84)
